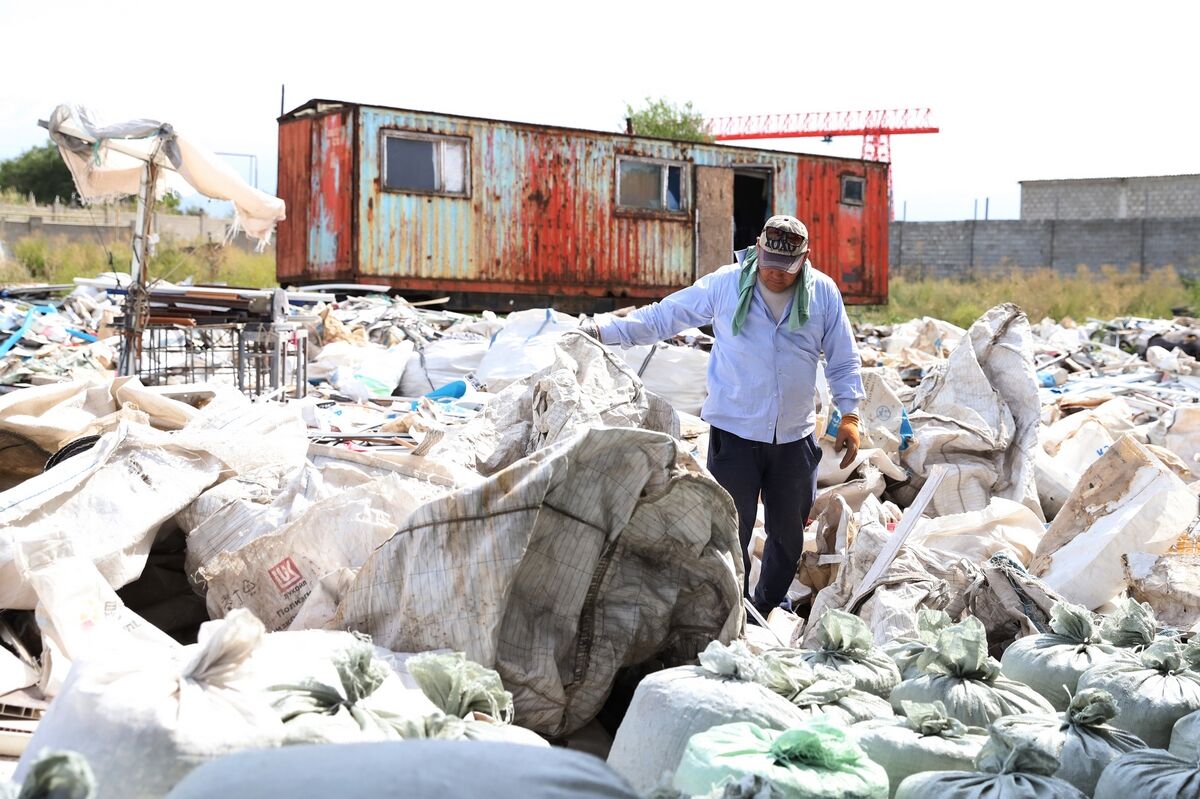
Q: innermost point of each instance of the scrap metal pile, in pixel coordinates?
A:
(461, 532)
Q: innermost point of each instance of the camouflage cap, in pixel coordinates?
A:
(783, 244)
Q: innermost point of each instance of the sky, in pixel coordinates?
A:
(1021, 90)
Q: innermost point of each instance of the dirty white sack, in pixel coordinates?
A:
(108, 501)
(274, 574)
(599, 552)
(1127, 501)
(526, 345)
(979, 413)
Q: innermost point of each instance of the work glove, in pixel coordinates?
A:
(848, 439)
(587, 324)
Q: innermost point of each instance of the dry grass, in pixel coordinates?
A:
(1103, 294)
(36, 260)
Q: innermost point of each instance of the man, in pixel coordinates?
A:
(773, 315)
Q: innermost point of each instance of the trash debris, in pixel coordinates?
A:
(521, 519)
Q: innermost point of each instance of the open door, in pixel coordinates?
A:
(714, 218)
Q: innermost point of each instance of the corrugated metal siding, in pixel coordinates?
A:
(541, 217)
(330, 232)
(295, 170)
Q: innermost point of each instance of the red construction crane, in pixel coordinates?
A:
(876, 127)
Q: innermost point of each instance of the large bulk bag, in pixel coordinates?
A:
(848, 648)
(925, 739)
(906, 652)
(671, 706)
(1052, 663)
(440, 362)
(1152, 693)
(412, 769)
(1185, 737)
(1006, 769)
(1149, 773)
(143, 718)
(958, 672)
(813, 760)
(1088, 744)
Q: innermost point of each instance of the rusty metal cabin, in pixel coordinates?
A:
(509, 215)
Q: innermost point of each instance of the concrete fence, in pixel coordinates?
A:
(962, 249)
(106, 224)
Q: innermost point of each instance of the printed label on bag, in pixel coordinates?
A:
(285, 575)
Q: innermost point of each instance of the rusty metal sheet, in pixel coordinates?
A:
(329, 215)
(539, 216)
(295, 167)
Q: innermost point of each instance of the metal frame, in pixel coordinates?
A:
(862, 182)
(685, 185)
(440, 140)
(260, 360)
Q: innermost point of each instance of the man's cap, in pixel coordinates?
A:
(783, 244)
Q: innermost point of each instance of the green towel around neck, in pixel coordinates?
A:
(749, 276)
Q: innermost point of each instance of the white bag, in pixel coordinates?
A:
(1127, 501)
(78, 613)
(109, 501)
(978, 535)
(525, 345)
(671, 706)
(361, 371)
(441, 362)
(274, 574)
(677, 374)
(144, 718)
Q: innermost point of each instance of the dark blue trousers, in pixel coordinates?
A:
(785, 475)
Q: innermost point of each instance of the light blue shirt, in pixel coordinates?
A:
(762, 383)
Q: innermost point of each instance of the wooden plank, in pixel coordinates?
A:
(714, 218)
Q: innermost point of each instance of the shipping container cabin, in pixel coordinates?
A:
(508, 215)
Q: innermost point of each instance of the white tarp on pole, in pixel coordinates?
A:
(107, 162)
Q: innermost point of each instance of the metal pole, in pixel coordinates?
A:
(136, 306)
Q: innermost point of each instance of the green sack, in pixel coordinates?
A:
(1008, 768)
(1152, 693)
(905, 652)
(1085, 742)
(461, 687)
(1185, 737)
(815, 760)
(313, 712)
(814, 689)
(925, 739)
(847, 647)
(1052, 664)
(1131, 626)
(1149, 774)
(57, 775)
(957, 671)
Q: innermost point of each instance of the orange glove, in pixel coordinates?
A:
(848, 439)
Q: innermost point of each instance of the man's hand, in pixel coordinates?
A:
(848, 439)
(587, 324)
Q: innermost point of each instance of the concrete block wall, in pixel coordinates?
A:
(1159, 197)
(980, 248)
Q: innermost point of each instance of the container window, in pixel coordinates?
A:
(425, 164)
(853, 189)
(648, 185)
